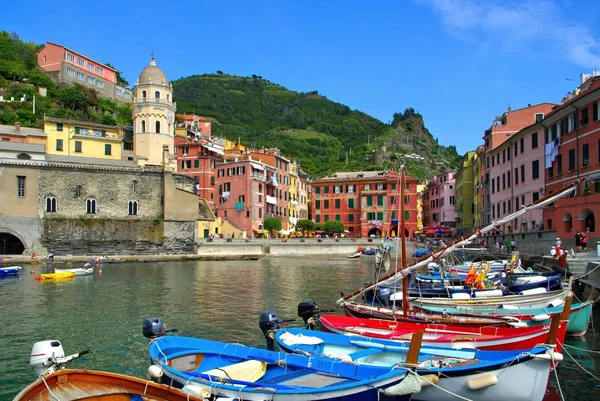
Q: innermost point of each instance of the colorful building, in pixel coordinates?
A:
(16, 133)
(83, 139)
(517, 178)
(65, 65)
(421, 185)
(242, 195)
(366, 202)
(480, 193)
(465, 205)
(278, 182)
(572, 146)
(441, 195)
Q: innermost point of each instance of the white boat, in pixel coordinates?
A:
(79, 271)
(355, 255)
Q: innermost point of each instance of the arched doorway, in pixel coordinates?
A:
(10, 245)
(567, 223)
(394, 232)
(587, 221)
(374, 232)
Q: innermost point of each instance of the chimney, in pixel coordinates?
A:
(17, 128)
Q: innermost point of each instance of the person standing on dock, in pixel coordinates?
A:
(578, 241)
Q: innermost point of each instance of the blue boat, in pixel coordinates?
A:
(10, 271)
(213, 369)
(445, 373)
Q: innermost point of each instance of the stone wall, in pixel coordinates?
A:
(179, 236)
(111, 189)
(82, 236)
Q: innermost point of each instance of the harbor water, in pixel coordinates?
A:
(214, 300)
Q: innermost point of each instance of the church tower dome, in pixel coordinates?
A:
(153, 115)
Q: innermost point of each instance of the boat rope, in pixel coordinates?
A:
(146, 387)
(562, 397)
(159, 349)
(580, 365)
(48, 387)
(585, 274)
(581, 349)
(439, 387)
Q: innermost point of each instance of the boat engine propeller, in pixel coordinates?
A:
(153, 327)
(269, 323)
(48, 356)
(310, 313)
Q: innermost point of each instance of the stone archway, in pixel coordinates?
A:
(374, 231)
(567, 223)
(587, 221)
(10, 244)
(395, 232)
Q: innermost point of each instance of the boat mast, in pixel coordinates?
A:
(403, 242)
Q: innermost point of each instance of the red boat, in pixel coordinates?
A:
(488, 338)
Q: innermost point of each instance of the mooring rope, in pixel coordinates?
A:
(581, 366)
(440, 388)
(48, 387)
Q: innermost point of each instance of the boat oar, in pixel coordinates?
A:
(412, 357)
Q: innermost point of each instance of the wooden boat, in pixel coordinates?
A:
(488, 338)
(55, 382)
(214, 369)
(57, 276)
(81, 385)
(10, 271)
(468, 373)
(79, 271)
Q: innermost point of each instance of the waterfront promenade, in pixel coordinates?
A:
(232, 249)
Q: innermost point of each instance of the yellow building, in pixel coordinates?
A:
(465, 206)
(78, 138)
(420, 188)
(231, 145)
(293, 195)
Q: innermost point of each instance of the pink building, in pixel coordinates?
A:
(67, 65)
(242, 191)
(441, 193)
(516, 171)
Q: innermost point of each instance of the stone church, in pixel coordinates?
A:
(83, 205)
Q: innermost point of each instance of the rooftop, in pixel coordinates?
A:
(22, 147)
(84, 123)
(89, 160)
(24, 131)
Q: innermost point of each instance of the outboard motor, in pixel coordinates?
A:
(153, 327)
(310, 313)
(48, 356)
(269, 322)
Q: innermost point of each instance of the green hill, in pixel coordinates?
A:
(324, 136)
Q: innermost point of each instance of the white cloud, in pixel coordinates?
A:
(529, 24)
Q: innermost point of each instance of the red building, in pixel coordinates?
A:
(572, 151)
(278, 181)
(197, 155)
(366, 202)
(242, 192)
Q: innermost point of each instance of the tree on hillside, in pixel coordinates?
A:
(72, 97)
(272, 224)
(333, 226)
(305, 225)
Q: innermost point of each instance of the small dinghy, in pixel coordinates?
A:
(55, 382)
(215, 370)
(355, 255)
(10, 271)
(57, 276)
(79, 271)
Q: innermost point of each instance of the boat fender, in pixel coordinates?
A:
(550, 356)
(411, 384)
(429, 380)
(517, 324)
(540, 318)
(482, 381)
(534, 291)
(460, 295)
(555, 303)
(155, 373)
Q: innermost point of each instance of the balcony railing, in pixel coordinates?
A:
(260, 176)
(154, 100)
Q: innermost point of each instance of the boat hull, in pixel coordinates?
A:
(57, 276)
(93, 385)
(10, 271)
(488, 338)
(194, 364)
(78, 271)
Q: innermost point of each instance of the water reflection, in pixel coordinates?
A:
(215, 300)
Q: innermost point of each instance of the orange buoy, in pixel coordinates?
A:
(37, 278)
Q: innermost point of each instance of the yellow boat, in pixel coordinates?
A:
(57, 276)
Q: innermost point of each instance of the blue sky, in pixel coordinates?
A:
(460, 63)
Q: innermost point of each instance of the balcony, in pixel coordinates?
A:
(261, 177)
(154, 100)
